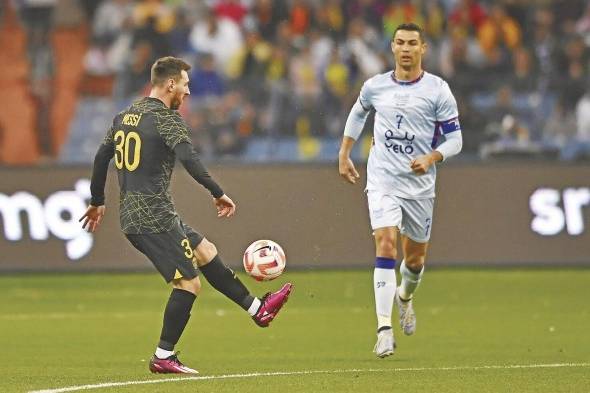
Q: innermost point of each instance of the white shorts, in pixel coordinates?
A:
(413, 217)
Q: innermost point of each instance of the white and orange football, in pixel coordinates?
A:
(264, 260)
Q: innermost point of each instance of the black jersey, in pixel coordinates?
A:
(144, 140)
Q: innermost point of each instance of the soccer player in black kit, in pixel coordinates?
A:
(145, 140)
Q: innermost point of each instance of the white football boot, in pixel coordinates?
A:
(407, 316)
(385, 345)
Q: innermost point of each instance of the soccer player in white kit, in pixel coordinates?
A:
(414, 111)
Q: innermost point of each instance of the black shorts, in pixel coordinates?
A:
(170, 252)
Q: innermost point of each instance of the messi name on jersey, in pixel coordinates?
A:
(131, 119)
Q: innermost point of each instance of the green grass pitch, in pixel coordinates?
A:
(478, 331)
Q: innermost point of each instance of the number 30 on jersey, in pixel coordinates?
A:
(122, 147)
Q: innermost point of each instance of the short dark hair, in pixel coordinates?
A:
(168, 67)
(409, 27)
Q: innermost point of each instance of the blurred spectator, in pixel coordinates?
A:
(573, 74)
(220, 37)
(304, 77)
(139, 45)
(523, 77)
(512, 127)
(156, 13)
(583, 118)
(506, 128)
(560, 127)
(205, 84)
(335, 90)
(232, 9)
(321, 47)
(543, 46)
(109, 20)
(336, 76)
(178, 37)
(284, 37)
(469, 15)
(307, 88)
(148, 31)
(90, 8)
(582, 26)
(369, 10)
(579, 146)
(330, 18)
(567, 12)
(498, 35)
(250, 64)
(299, 17)
(471, 126)
(573, 88)
(279, 115)
(434, 24)
(132, 80)
(232, 122)
(359, 44)
(37, 16)
(460, 56)
(399, 12)
(268, 14)
(221, 126)
(278, 65)
(112, 17)
(96, 59)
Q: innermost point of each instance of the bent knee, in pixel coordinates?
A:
(205, 252)
(386, 247)
(193, 286)
(415, 261)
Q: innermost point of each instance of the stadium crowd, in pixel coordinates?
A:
(291, 69)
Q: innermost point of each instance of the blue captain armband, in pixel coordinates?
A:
(451, 125)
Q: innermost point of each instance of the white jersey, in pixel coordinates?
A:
(409, 119)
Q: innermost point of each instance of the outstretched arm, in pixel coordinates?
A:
(345, 165)
(190, 160)
(96, 210)
(352, 131)
(99, 173)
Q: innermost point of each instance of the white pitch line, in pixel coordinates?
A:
(282, 373)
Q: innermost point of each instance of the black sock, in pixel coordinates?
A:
(225, 281)
(176, 315)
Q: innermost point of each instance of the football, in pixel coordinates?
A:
(264, 260)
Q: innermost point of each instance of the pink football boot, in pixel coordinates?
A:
(271, 304)
(170, 365)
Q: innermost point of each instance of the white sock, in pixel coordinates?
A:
(384, 285)
(163, 354)
(254, 307)
(410, 281)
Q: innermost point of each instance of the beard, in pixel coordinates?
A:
(176, 102)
